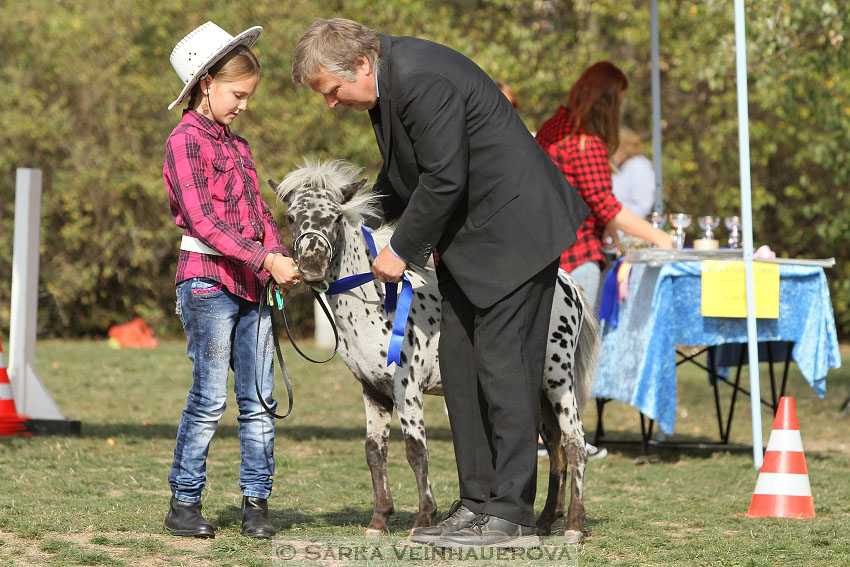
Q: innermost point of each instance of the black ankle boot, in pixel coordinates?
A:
(185, 519)
(255, 518)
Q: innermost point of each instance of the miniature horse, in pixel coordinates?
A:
(326, 208)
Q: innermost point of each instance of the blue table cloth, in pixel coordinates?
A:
(638, 359)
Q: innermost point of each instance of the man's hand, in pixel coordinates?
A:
(388, 267)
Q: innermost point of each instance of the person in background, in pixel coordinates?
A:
(593, 452)
(467, 182)
(633, 179)
(509, 93)
(231, 246)
(580, 138)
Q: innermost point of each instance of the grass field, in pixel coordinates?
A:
(100, 498)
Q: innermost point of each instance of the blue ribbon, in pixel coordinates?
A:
(390, 290)
(349, 282)
(400, 321)
(609, 305)
(392, 301)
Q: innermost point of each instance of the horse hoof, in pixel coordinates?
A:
(374, 533)
(573, 536)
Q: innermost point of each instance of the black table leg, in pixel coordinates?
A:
(600, 428)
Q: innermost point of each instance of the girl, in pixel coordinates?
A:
(230, 247)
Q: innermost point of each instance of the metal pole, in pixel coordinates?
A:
(747, 221)
(656, 108)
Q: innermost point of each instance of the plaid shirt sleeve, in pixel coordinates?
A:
(206, 207)
(591, 170)
(583, 159)
(272, 240)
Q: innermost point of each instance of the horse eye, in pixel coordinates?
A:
(290, 219)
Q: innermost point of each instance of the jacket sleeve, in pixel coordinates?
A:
(432, 112)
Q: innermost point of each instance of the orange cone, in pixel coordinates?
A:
(10, 422)
(782, 489)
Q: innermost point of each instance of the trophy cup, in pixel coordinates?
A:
(680, 222)
(733, 225)
(707, 242)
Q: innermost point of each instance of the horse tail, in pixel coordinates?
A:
(587, 347)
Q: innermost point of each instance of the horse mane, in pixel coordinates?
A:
(332, 175)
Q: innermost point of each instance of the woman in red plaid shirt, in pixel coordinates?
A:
(579, 138)
(230, 248)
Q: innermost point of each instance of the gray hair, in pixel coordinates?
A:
(335, 45)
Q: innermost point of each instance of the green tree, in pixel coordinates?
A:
(90, 81)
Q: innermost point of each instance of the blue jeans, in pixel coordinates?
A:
(221, 330)
(588, 276)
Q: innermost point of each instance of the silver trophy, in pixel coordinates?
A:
(680, 222)
(708, 224)
(733, 225)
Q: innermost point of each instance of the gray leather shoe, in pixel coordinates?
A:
(255, 518)
(490, 531)
(457, 517)
(185, 519)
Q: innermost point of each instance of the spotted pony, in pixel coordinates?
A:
(326, 208)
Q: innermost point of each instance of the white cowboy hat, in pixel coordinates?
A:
(200, 50)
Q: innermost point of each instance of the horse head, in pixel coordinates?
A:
(319, 197)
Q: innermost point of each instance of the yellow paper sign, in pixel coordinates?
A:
(724, 289)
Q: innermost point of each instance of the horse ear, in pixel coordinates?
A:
(274, 186)
(352, 189)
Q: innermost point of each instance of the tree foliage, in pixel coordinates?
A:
(89, 83)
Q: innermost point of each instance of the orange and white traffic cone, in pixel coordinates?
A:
(10, 422)
(783, 489)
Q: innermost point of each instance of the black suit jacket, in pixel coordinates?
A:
(463, 174)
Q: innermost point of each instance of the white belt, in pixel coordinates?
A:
(191, 244)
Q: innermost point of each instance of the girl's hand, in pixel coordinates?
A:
(283, 270)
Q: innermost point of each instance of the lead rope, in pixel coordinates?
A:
(266, 296)
(333, 326)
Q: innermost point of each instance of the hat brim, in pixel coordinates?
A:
(247, 38)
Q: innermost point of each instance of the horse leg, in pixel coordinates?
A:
(413, 427)
(572, 441)
(570, 356)
(379, 412)
(553, 510)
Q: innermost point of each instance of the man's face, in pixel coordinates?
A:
(359, 94)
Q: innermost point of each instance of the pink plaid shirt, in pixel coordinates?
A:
(215, 197)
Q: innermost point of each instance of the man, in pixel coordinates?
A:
(467, 182)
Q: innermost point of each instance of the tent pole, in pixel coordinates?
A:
(747, 221)
(656, 108)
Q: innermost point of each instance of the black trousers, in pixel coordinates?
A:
(491, 362)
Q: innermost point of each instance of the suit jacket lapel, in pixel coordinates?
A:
(375, 115)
